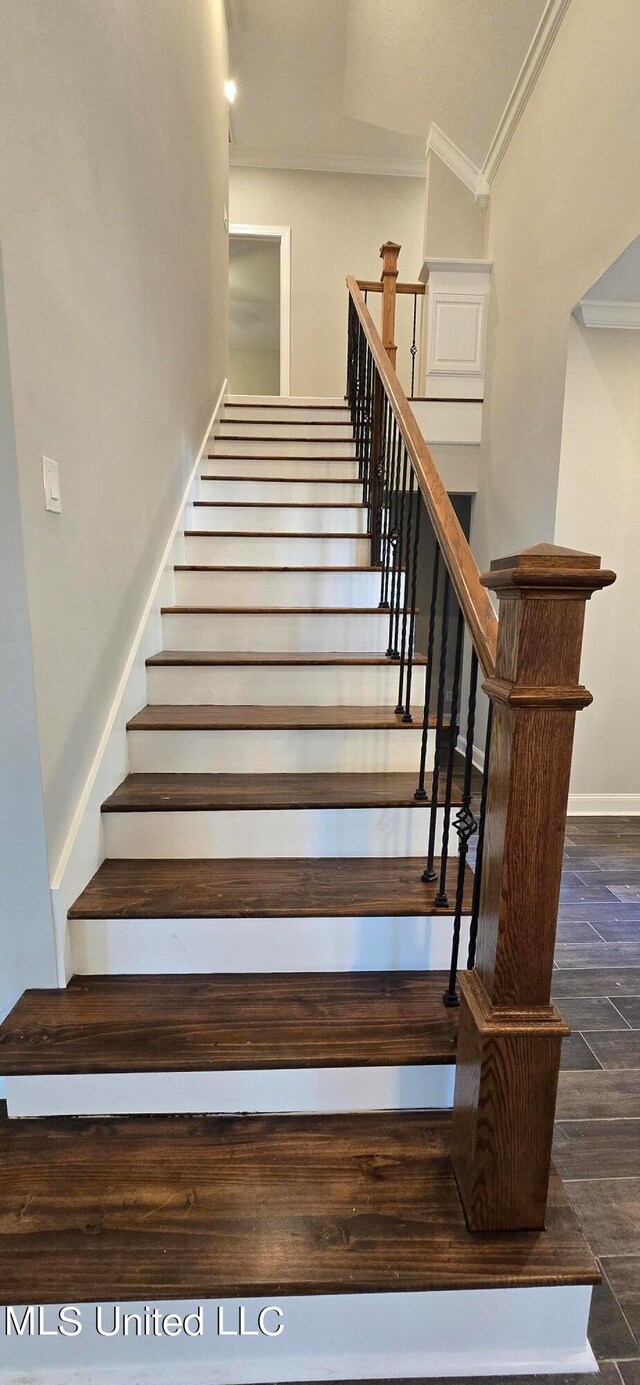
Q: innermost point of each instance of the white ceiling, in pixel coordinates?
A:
(358, 83)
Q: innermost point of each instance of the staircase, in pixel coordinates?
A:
(284, 902)
(259, 936)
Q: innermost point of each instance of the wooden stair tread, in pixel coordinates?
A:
(302, 887)
(278, 610)
(317, 442)
(287, 480)
(270, 534)
(281, 504)
(171, 657)
(206, 717)
(206, 792)
(281, 456)
(254, 567)
(291, 422)
(284, 1205)
(224, 1023)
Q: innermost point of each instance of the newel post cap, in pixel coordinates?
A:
(545, 568)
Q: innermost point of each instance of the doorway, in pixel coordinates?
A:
(259, 310)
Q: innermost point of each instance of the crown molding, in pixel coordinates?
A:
(330, 163)
(551, 19)
(602, 312)
(459, 163)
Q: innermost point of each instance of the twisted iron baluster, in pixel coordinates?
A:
(392, 498)
(395, 536)
(413, 350)
(406, 551)
(428, 872)
(406, 716)
(441, 899)
(383, 517)
(477, 878)
(421, 792)
(465, 824)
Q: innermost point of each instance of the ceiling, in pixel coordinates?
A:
(356, 84)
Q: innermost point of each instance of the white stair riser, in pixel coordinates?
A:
(282, 492)
(272, 550)
(285, 631)
(262, 428)
(325, 685)
(272, 752)
(274, 448)
(386, 1336)
(257, 833)
(260, 946)
(229, 588)
(285, 413)
(313, 1090)
(278, 519)
(304, 468)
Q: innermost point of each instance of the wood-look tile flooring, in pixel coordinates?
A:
(597, 1143)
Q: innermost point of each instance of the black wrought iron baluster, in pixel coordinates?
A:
(413, 350)
(442, 899)
(477, 877)
(387, 593)
(428, 872)
(400, 557)
(386, 461)
(407, 550)
(465, 824)
(411, 637)
(360, 398)
(421, 792)
(367, 426)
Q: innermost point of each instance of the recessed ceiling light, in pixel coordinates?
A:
(230, 90)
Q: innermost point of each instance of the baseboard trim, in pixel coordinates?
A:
(83, 852)
(604, 805)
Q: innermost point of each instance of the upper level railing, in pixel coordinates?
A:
(509, 1034)
(389, 286)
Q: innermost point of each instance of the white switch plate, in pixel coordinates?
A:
(51, 485)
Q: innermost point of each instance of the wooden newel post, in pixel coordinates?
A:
(389, 255)
(510, 1034)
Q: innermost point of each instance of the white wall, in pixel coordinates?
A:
(338, 223)
(598, 506)
(113, 150)
(454, 223)
(26, 928)
(564, 202)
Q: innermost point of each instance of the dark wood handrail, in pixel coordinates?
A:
(474, 600)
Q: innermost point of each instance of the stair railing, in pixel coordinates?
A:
(509, 1032)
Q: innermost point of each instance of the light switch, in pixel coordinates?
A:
(51, 485)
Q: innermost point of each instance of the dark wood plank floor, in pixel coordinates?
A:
(213, 1207)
